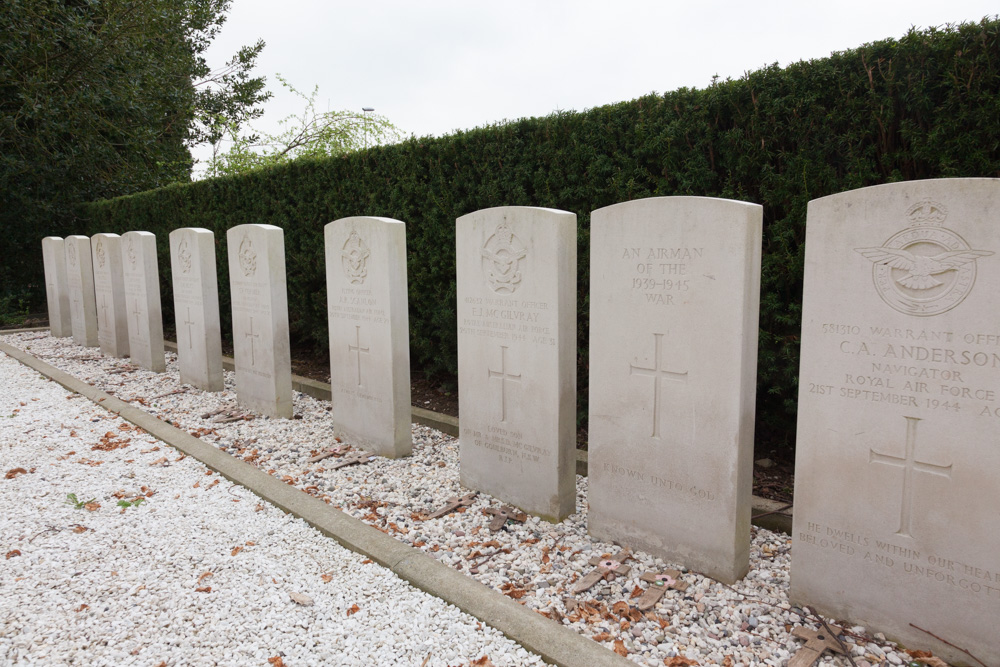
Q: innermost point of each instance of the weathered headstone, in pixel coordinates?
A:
(897, 455)
(142, 300)
(517, 356)
(674, 294)
(196, 307)
(369, 333)
(260, 318)
(56, 289)
(80, 280)
(109, 289)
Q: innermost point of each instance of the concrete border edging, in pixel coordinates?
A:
(556, 644)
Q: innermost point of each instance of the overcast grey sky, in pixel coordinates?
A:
(435, 66)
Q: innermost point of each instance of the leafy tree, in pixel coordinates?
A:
(101, 98)
(311, 133)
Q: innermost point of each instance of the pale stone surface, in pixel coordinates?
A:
(80, 280)
(674, 299)
(196, 307)
(56, 289)
(142, 300)
(517, 356)
(260, 318)
(109, 289)
(897, 458)
(369, 333)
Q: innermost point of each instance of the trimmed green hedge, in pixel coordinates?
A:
(924, 106)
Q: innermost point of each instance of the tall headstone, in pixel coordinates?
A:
(897, 456)
(109, 289)
(56, 289)
(80, 280)
(196, 307)
(674, 300)
(260, 318)
(517, 356)
(142, 300)
(369, 332)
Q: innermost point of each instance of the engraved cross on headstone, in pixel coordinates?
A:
(659, 583)
(453, 504)
(502, 515)
(251, 335)
(909, 464)
(817, 641)
(357, 349)
(137, 312)
(504, 377)
(658, 373)
(104, 309)
(604, 568)
(189, 322)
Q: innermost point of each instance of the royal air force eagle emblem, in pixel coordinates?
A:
(131, 252)
(354, 257)
(925, 269)
(71, 254)
(501, 256)
(248, 257)
(101, 255)
(184, 256)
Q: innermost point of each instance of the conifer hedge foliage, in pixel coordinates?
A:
(924, 106)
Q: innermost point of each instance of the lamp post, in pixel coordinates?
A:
(366, 111)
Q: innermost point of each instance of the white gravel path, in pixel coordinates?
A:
(535, 563)
(199, 572)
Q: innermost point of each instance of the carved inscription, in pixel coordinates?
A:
(661, 275)
(510, 445)
(646, 487)
(508, 319)
(905, 562)
(356, 304)
(932, 370)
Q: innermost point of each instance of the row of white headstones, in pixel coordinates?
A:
(898, 455)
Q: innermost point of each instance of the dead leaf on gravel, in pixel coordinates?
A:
(276, 661)
(162, 459)
(727, 662)
(353, 610)
(482, 662)
(204, 575)
(326, 578)
(679, 661)
(620, 608)
(80, 529)
(603, 637)
(302, 599)
(236, 550)
(11, 474)
(92, 507)
(82, 607)
(203, 589)
(636, 592)
(619, 648)
(12, 553)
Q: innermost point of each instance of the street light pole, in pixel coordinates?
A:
(366, 111)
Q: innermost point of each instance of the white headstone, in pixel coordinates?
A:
(56, 289)
(80, 280)
(898, 455)
(196, 307)
(517, 356)
(674, 300)
(260, 318)
(142, 292)
(109, 288)
(369, 333)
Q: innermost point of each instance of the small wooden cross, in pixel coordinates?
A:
(660, 582)
(353, 458)
(604, 568)
(336, 451)
(453, 504)
(503, 515)
(817, 641)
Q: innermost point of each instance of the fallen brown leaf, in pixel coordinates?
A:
(162, 459)
(603, 637)
(92, 507)
(636, 592)
(619, 648)
(366, 561)
(12, 553)
(620, 608)
(203, 589)
(276, 661)
(80, 529)
(326, 578)
(236, 550)
(204, 575)
(482, 662)
(11, 474)
(353, 610)
(679, 661)
(82, 607)
(727, 662)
